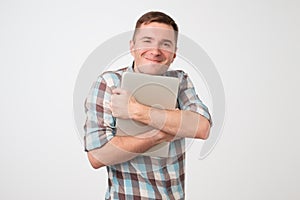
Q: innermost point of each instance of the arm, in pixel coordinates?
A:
(103, 146)
(182, 123)
(123, 148)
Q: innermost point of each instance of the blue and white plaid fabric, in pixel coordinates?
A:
(143, 177)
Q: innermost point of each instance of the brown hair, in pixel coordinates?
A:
(156, 16)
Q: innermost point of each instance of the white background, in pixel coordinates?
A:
(255, 46)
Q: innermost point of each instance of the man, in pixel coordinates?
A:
(130, 174)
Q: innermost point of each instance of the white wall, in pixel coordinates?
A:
(255, 46)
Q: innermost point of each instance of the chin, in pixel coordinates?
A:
(154, 69)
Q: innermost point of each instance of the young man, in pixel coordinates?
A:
(130, 174)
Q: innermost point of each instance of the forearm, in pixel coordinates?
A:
(123, 148)
(180, 123)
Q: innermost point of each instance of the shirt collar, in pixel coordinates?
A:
(130, 68)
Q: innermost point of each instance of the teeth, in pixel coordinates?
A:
(153, 60)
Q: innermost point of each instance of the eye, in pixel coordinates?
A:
(166, 44)
(147, 41)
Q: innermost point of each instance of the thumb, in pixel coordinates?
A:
(118, 91)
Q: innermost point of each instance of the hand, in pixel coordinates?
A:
(158, 136)
(122, 103)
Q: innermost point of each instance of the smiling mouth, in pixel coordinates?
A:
(153, 60)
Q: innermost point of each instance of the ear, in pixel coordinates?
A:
(174, 56)
(131, 46)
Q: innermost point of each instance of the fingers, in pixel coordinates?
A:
(119, 91)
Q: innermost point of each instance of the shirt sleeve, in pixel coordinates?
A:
(100, 124)
(188, 98)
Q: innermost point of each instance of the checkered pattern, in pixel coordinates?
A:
(143, 177)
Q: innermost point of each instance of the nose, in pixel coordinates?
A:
(155, 50)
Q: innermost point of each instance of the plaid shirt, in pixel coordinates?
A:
(143, 177)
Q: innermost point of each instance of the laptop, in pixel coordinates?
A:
(151, 90)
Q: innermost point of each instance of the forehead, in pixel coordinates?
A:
(156, 30)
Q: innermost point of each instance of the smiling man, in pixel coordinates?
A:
(130, 174)
(153, 48)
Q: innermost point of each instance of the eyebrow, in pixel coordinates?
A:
(146, 37)
(166, 40)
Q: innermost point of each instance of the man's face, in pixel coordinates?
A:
(153, 48)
